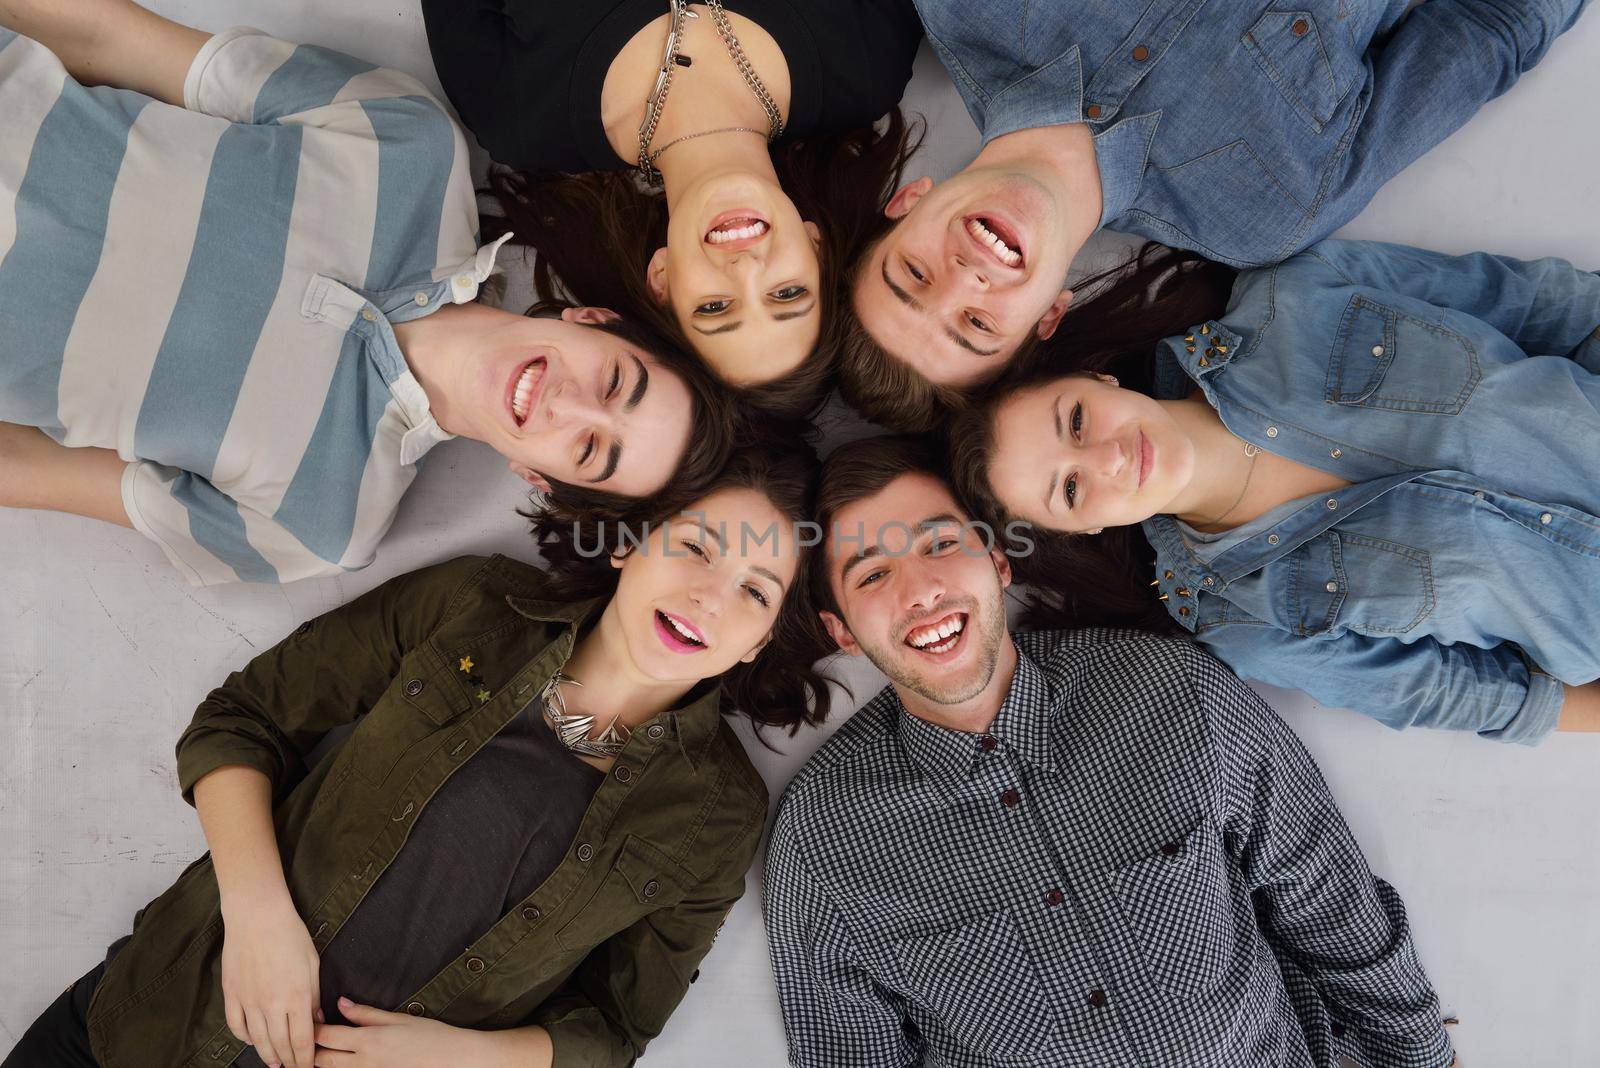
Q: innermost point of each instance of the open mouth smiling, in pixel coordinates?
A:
(940, 637)
(678, 634)
(996, 239)
(524, 388)
(735, 230)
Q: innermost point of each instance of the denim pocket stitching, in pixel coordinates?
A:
(1420, 558)
(1372, 396)
(1290, 95)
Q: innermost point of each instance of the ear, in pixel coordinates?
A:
(840, 633)
(529, 475)
(1110, 380)
(589, 316)
(1052, 317)
(752, 654)
(655, 274)
(905, 198)
(814, 232)
(1002, 566)
(1096, 530)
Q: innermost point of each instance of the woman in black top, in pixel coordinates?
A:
(746, 268)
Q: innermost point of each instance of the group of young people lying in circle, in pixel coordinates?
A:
(245, 288)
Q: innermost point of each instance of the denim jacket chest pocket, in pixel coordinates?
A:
(1302, 55)
(1177, 903)
(979, 980)
(1350, 581)
(1384, 357)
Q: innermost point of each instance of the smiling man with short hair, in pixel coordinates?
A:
(1072, 849)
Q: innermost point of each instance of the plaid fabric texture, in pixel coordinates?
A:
(1138, 865)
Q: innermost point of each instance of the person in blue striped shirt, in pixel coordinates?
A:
(238, 302)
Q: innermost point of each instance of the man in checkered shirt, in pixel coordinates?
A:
(1058, 849)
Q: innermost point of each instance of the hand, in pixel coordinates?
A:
(381, 1039)
(270, 981)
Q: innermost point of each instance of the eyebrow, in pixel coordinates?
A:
(870, 551)
(915, 305)
(639, 386)
(764, 573)
(736, 324)
(1050, 490)
(797, 313)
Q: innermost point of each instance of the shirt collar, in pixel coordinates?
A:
(693, 725)
(1022, 725)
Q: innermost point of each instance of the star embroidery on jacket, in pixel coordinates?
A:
(483, 696)
(466, 663)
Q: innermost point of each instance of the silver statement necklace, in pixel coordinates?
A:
(573, 728)
(671, 59)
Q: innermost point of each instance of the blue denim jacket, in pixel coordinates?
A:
(1456, 582)
(1234, 128)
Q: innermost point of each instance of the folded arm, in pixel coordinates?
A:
(110, 42)
(37, 472)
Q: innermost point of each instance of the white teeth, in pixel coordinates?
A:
(519, 399)
(755, 229)
(923, 639)
(681, 629)
(1008, 255)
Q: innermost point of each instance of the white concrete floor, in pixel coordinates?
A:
(104, 653)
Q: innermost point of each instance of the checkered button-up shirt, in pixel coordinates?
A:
(1137, 865)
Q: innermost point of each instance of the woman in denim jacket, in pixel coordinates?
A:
(1372, 478)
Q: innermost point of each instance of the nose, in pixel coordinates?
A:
(708, 598)
(969, 271)
(923, 588)
(1108, 459)
(569, 404)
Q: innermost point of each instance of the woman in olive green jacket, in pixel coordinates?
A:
(535, 827)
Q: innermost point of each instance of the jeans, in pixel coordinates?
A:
(59, 1038)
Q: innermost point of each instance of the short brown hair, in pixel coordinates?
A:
(854, 472)
(882, 386)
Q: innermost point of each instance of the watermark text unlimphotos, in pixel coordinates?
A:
(892, 539)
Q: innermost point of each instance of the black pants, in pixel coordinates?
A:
(59, 1038)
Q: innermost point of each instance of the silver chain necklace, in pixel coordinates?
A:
(1251, 451)
(572, 728)
(657, 101)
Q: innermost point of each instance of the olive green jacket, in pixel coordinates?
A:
(429, 666)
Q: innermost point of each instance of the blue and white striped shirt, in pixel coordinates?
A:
(209, 292)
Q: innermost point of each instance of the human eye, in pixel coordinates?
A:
(942, 543)
(870, 577)
(788, 294)
(914, 273)
(616, 381)
(759, 595)
(1069, 490)
(696, 548)
(979, 325)
(713, 307)
(1077, 419)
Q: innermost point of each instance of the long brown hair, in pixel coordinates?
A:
(594, 235)
(1078, 580)
(781, 686)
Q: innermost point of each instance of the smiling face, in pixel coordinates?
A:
(563, 400)
(703, 593)
(1080, 454)
(741, 274)
(973, 266)
(925, 606)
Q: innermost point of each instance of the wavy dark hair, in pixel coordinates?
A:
(594, 235)
(711, 422)
(1078, 580)
(781, 686)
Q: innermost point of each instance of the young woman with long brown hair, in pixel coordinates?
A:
(1370, 477)
(742, 250)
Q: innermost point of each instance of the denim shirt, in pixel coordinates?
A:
(1234, 129)
(1453, 583)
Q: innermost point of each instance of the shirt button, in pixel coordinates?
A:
(623, 773)
(1097, 998)
(414, 687)
(1140, 54)
(1332, 587)
(1170, 849)
(1010, 799)
(1054, 897)
(1545, 518)
(1300, 28)
(1332, 503)
(474, 965)
(416, 1008)
(655, 731)
(1336, 1030)
(1377, 350)
(1273, 539)
(1478, 494)
(464, 280)
(651, 889)
(421, 298)
(369, 315)
(1208, 581)
(1093, 111)
(531, 913)
(1272, 431)
(586, 852)
(988, 744)
(1336, 453)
